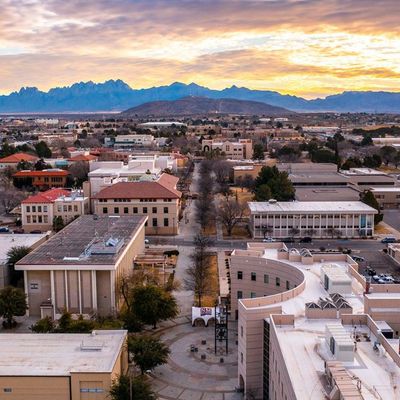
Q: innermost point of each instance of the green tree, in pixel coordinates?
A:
(58, 223)
(262, 193)
(368, 198)
(352, 162)
(258, 152)
(148, 352)
(367, 140)
(323, 156)
(152, 304)
(15, 254)
(280, 186)
(44, 325)
(42, 150)
(374, 161)
(128, 388)
(388, 154)
(12, 304)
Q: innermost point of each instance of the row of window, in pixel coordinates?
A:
(304, 216)
(134, 200)
(67, 208)
(135, 210)
(253, 277)
(36, 208)
(37, 219)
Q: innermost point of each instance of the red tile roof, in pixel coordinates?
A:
(45, 172)
(47, 197)
(18, 157)
(82, 157)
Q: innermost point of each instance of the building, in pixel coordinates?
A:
(79, 268)
(387, 197)
(38, 211)
(327, 193)
(240, 150)
(128, 141)
(304, 331)
(10, 240)
(14, 159)
(368, 177)
(159, 200)
(61, 366)
(41, 180)
(311, 218)
(82, 158)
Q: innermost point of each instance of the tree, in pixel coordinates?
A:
(367, 140)
(323, 156)
(352, 162)
(10, 197)
(288, 153)
(281, 188)
(128, 388)
(58, 223)
(368, 198)
(152, 304)
(15, 254)
(258, 152)
(262, 193)
(79, 173)
(12, 304)
(230, 212)
(198, 274)
(44, 325)
(374, 161)
(148, 352)
(40, 165)
(387, 153)
(42, 149)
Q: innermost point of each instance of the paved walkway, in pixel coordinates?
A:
(187, 376)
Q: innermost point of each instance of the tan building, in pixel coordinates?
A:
(158, 200)
(302, 328)
(387, 197)
(38, 211)
(79, 268)
(61, 366)
(240, 150)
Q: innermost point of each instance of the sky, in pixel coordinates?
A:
(309, 48)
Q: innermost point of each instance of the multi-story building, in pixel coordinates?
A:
(240, 150)
(41, 180)
(311, 218)
(38, 211)
(158, 200)
(311, 327)
(80, 267)
(387, 197)
(14, 159)
(62, 366)
(128, 141)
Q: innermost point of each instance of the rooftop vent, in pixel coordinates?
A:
(272, 201)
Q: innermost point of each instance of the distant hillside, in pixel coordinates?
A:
(192, 105)
(116, 95)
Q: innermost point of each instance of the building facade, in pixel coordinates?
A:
(240, 150)
(41, 180)
(80, 267)
(311, 219)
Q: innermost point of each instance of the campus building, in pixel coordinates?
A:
(41, 180)
(311, 327)
(69, 366)
(159, 200)
(14, 159)
(311, 218)
(38, 211)
(240, 150)
(129, 141)
(79, 268)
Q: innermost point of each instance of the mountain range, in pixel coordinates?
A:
(194, 105)
(116, 95)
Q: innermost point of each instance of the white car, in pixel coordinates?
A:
(146, 241)
(269, 240)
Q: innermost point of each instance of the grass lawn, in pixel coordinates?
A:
(211, 229)
(238, 232)
(243, 196)
(211, 299)
(381, 229)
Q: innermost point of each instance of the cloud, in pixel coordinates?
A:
(342, 44)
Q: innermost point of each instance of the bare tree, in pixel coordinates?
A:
(198, 274)
(79, 172)
(230, 213)
(10, 197)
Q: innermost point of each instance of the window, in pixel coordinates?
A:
(154, 221)
(266, 278)
(253, 276)
(165, 210)
(105, 210)
(126, 210)
(239, 294)
(154, 210)
(144, 210)
(116, 210)
(241, 358)
(75, 207)
(44, 208)
(7, 390)
(39, 208)
(135, 210)
(33, 208)
(278, 281)
(34, 219)
(166, 222)
(28, 208)
(287, 285)
(40, 219)
(28, 219)
(65, 208)
(45, 219)
(241, 330)
(253, 295)
(240, 274)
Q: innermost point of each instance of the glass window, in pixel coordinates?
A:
(28, 208)
(166, 222)
(154, 221)
(266, 278)
(144, 210)
(39, 208)
(239, 294)
(135, 210)
(287, 285)
(45, 219)
(33, 208)
(126, 210)
(116, 210)
(253, 295)
(277, 281)
(253, 276)
(105, 210)
(240, 274)
(154, 210)
(28, 219)
(75, 207)
(165, 210)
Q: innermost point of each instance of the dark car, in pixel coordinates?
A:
(306, 239)
(4, 229)
(36, 232)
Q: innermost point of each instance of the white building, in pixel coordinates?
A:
(127, 141)
(311, 218)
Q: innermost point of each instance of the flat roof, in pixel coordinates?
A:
(87, 240)
(10, 240)
(310, 206)
(385, 189)
(327, 193)
(59, 354)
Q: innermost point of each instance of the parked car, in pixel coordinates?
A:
(4, 229)
(269, 240)
(358, 258)
(306, 239)
(370, 271)
(36, 231)
(389, 239)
